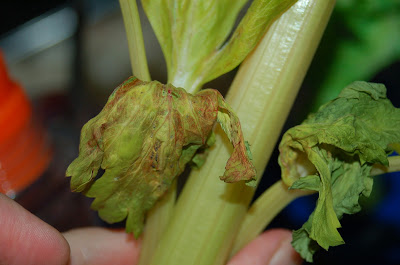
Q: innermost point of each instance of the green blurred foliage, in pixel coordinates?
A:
(362, 38)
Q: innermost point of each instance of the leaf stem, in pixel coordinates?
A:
(394, 165)
(263, 211)
(134, 35)
(156, 223)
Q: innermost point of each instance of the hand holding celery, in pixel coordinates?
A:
(148, 132)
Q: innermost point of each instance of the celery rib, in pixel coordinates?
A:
(263, 211)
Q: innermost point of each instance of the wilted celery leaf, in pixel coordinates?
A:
(143, 138)
(332, 152)
(192, 34)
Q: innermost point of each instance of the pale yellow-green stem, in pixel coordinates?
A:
(263, 211)
(156, 222)
(209, 212)
(394, 166)
(276, 198)
(134, 35)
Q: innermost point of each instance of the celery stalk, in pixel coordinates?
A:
(263, 211)
(209, 212)
(156, 222)
(134, 34)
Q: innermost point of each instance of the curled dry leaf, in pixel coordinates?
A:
(142, 139)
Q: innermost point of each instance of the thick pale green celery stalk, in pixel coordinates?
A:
(156, 222)
(263, 211)
(209, 212)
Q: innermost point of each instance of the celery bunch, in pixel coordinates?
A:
(148, 131)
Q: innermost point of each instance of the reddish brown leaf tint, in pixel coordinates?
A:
(143, 138)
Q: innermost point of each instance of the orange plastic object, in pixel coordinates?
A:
(24, 153)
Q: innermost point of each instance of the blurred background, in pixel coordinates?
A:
(68, 56)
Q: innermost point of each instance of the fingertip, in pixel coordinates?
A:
(28, 239)
(284, 253)
(50, 246)
(273, 247)
(102, 246)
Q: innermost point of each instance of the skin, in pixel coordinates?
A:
(25, 239)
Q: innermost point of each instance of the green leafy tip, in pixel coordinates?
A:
(143, 138)
(332, 152)
(193, 35)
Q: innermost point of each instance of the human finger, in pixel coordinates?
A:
(270, 248)
(102, 246)
(25, 239)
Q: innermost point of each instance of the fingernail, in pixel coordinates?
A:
(285, 255)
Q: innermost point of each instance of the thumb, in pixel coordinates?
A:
(25, 239)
